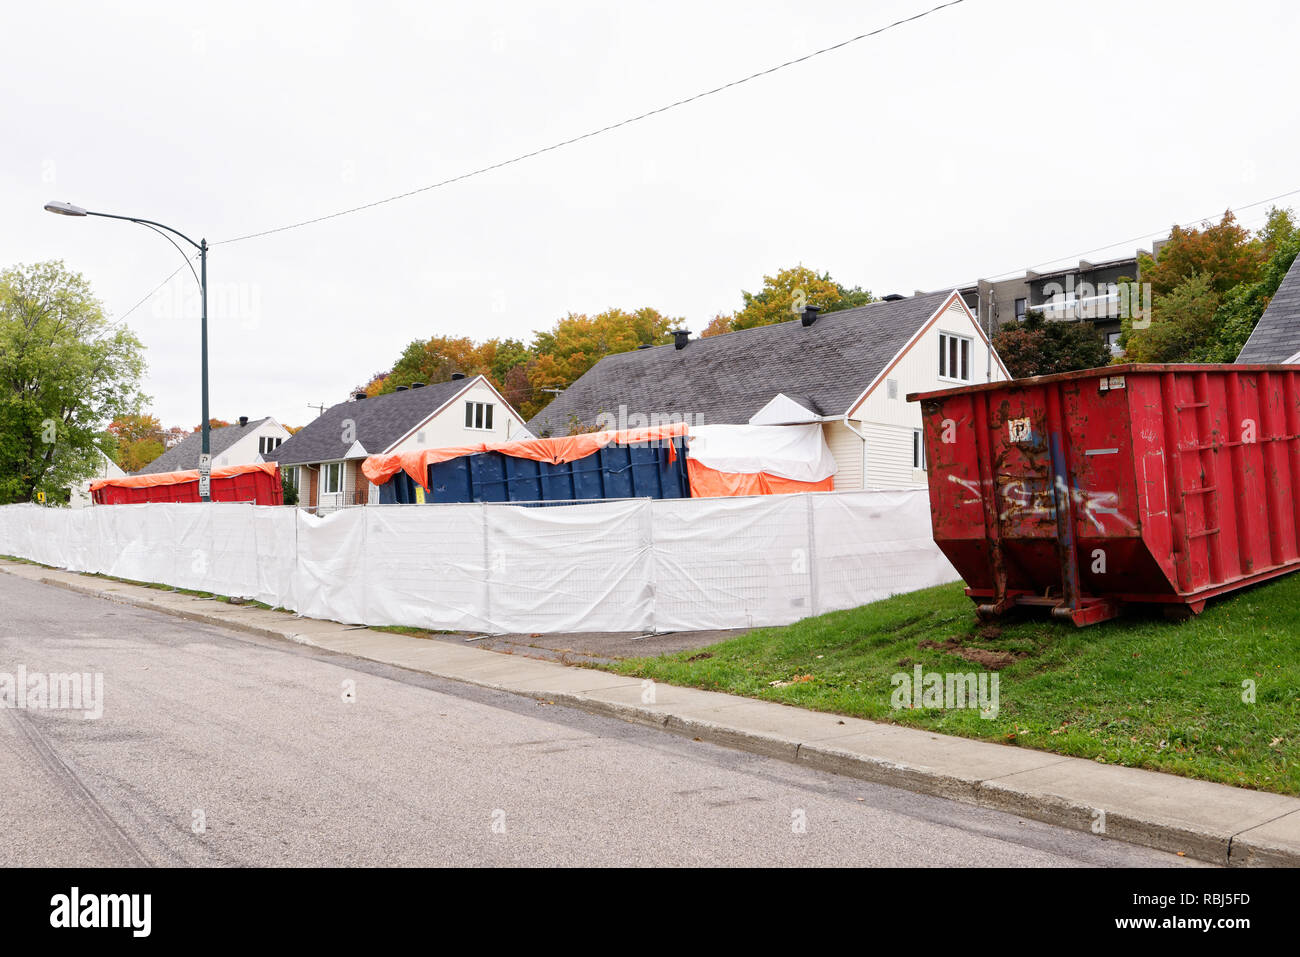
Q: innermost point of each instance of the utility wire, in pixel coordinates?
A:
(589, 135)
(1123, 242)
(147, 296)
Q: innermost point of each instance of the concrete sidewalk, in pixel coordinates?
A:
(1210, 822)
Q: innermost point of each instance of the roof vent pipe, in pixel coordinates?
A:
(681, 337)
(243, 421)
(810, 315)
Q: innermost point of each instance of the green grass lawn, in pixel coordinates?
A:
(1139, 691)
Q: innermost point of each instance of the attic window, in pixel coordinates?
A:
(891, 386)
(954, 357)
(268, 443)
(478, 415)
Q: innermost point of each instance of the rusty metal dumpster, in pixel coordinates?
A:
(1083, 492)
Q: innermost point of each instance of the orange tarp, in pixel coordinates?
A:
(176, 478)
(707, 482)
(567, 448)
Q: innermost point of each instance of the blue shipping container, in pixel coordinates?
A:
(616, 471)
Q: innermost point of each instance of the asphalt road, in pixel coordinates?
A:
(219, 748)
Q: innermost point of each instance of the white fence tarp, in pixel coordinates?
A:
(647, 565)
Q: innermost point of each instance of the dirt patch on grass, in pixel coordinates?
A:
(986, 657)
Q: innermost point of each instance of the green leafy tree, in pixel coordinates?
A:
(785, 294)
(290, 492)
(1034, 346)
(64, 371)
(1182, 324)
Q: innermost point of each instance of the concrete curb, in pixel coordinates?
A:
(1210, 822)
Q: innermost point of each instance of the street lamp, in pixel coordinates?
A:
(205, 457)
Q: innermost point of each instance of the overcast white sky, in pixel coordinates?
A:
(986, 138)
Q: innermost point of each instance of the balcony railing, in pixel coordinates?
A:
(1109, 306)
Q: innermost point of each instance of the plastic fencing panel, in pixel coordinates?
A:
(870, 545)
(328, 577)
(730, 562)
(425, 567)
(568, 568)
(253, 552)
(663, 564)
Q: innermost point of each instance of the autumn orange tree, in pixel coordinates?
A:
(1208, 288)
(137, 440)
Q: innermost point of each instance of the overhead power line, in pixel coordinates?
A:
(1155, 232)
(149, 295)
(588, 135)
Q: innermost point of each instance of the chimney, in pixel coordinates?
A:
(417, 385)
(358, 396)
(243, 421)
(810, 315)
(457, 376)
(401, 388)
(681, 337)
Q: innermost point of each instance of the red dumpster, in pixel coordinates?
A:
(1135, 483)
(258, 483)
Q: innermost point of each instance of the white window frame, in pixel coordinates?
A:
(918, 450)
(479, 413)
(268, 443)
(325, 476)
(965, 351)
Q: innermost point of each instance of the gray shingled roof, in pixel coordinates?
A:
(379, 421)
(1276, 336)
(727, 378)
(185, 454)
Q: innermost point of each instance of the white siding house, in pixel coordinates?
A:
(850, 371)
(950, 350)
(79, 495)
(243, 443)
(323, 460)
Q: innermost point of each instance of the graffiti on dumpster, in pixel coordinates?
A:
(1023, 501)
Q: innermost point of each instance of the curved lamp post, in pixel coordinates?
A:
(205, 457)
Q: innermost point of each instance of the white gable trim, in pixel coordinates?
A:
(916, 337)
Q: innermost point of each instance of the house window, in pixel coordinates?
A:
(268, 443)
(954, 357)
(291, 473)
(918, 449)
(478, 415)
(331, 476)
(1112, 343)
(1020, 309)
